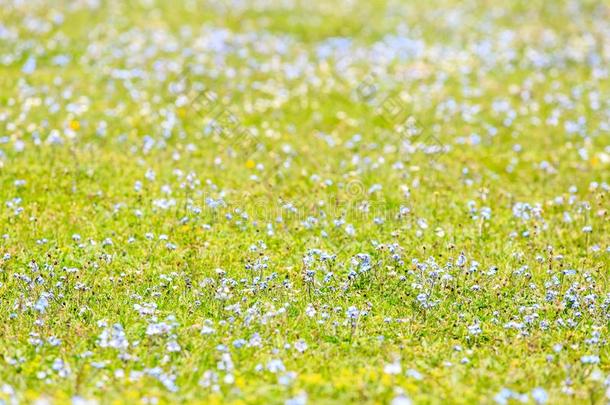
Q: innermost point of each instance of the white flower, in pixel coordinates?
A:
(301, 346)
(590, 359)
(393, 368)
(300, 399)
(540, 396)
(275, 366)
(401, 400)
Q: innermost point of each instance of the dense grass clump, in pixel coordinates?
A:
(285, 201)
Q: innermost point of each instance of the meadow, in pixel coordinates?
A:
(304, 202)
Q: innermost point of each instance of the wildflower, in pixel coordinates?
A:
(393, 368)
(275, 366)
(300, 346)
(300, 399)
(540, 396)
(114, 338)
(589, 359)
(401, 400)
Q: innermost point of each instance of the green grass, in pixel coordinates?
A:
(309, 245)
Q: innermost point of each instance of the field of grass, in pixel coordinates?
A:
(291, 201)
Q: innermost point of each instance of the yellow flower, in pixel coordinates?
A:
(250, 164)
(75, 125)
(386, 380)
(312, 379)
(240, 382)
